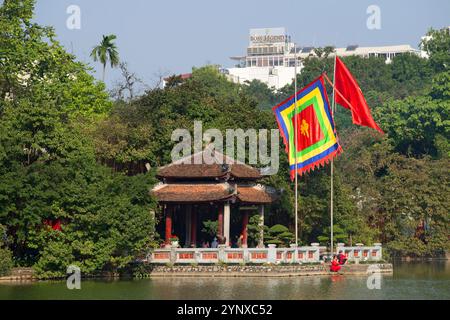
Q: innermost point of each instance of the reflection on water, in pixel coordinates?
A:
(424, 280)
(423, 270)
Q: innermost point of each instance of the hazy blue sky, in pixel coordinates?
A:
(171, 36)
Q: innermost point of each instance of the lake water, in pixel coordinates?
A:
(424, 280)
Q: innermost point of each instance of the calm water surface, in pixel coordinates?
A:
(424, 280)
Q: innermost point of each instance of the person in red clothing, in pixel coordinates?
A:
(342, 257)
(335, 267)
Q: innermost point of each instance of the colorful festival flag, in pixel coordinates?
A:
(317, 140)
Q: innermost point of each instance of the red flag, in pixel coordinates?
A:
(350, 96)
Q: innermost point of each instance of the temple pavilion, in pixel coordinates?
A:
(224, 190)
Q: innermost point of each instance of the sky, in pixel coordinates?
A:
(171, 36)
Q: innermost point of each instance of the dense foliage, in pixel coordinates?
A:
(48, 169)
(6, 261)
(69, 155)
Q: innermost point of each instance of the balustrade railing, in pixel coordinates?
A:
(270, 254)
(360, 252)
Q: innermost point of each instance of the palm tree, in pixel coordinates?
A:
(106, 51)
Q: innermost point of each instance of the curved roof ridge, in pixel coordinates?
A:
(218, 157)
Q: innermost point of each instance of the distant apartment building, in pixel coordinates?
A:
(271, 57)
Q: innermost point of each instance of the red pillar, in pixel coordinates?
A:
(193, 228)
(220, 221)
(168, 224)
(244, 228)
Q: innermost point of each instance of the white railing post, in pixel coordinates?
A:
(173, 255)
(226, 223)
(316, 255)
(294, 252)
(222, 257)
(272, 253)
(246, 255)
(197, 255)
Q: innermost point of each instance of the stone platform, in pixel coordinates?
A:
(263, 270)
(19, 274)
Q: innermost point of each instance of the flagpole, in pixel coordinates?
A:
(333, 110)
(295, 145)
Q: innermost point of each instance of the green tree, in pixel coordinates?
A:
(6, 261)
(279, 235)
(107, 225)
(48, 168)
(210, 228)
(264, 96)
(33, 65)
(396, 194)
(338, 235)
(414, 123)
(437, 45)
(254, 229)
(106, 51)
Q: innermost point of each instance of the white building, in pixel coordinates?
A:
(387, 52)
(271, 57)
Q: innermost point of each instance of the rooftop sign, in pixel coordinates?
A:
(267, 35)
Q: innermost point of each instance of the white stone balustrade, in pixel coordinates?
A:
(360, 252)
(271, 254)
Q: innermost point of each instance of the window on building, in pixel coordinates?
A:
(259, 63)
(276, 61)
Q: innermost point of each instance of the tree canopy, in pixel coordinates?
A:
(48, 168)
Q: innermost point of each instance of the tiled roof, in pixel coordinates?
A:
(192, 192)
(218, 165)
(180, 171)
(254, 194)
(206, 192)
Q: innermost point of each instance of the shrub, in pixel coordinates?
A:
(279, 235)
(6, 262)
